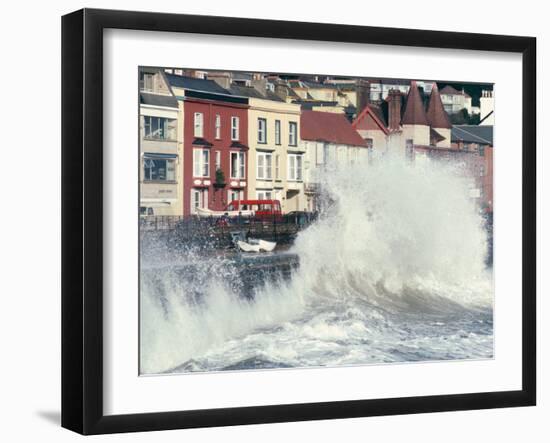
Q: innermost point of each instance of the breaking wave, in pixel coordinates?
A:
(393, 270)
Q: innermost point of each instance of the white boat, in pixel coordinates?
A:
(206, 213)
(260, 246)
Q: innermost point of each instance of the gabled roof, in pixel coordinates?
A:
(377, 115)
(437, 117)
(473, 134)
(449, 90)
(168, 101)
(414, 108)
(328, 127)
(435, 137)
(195, 84)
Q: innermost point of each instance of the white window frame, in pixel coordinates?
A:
(262, 132)
(231, 192)
(218, 126)
(292, 134)
(218, 160)
(277, 167)
(277, 132)
(235, 128)
(202, 199)
(241, 159)
(198, 121)
(203, 168)
(264, 195)
(267, 169)
(295, 167)
(147, 170)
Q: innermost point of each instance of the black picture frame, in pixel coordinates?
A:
(82, 215)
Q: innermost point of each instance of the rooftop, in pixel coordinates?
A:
(473, 134)
(328, 127)
(195, 84)
(168, 101)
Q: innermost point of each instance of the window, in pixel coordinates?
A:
(234, 128)
(199, 199)
(147, 83)
(218, 126)
(264, 195)
(277, 132)
(201, 163)
(293, 134)
(218, 160)
(159, 169)
(159, 128)
(262, 130)
(237, 165)
(198, 125)
(263, 166)
(234, 195)
(295, 167)
(277, 163)
(481, 151)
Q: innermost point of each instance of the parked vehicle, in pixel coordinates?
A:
(268, 210)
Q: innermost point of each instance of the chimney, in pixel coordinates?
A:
(260, 85)
(363, 95)
(394, 109)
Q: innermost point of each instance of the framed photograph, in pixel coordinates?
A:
(270, 221)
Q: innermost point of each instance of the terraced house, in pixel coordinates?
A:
(215, 151)
(160, 151)
(275, 158)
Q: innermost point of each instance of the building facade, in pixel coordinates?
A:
(160, 150)
(329, 141)
(215, 149)
(455, 101)
(275, 161)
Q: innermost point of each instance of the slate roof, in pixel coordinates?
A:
(414, 109)
(168, 101)
(316, 85)
(249, 91)
(437, 117)
(328, 127)
(473, 134)
(195, 84)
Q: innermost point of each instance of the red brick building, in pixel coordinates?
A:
(215, 132)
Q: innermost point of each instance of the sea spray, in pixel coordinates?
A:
(397, 252)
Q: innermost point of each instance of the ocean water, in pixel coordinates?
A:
(393, 271)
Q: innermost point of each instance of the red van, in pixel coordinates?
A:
(259, 209)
